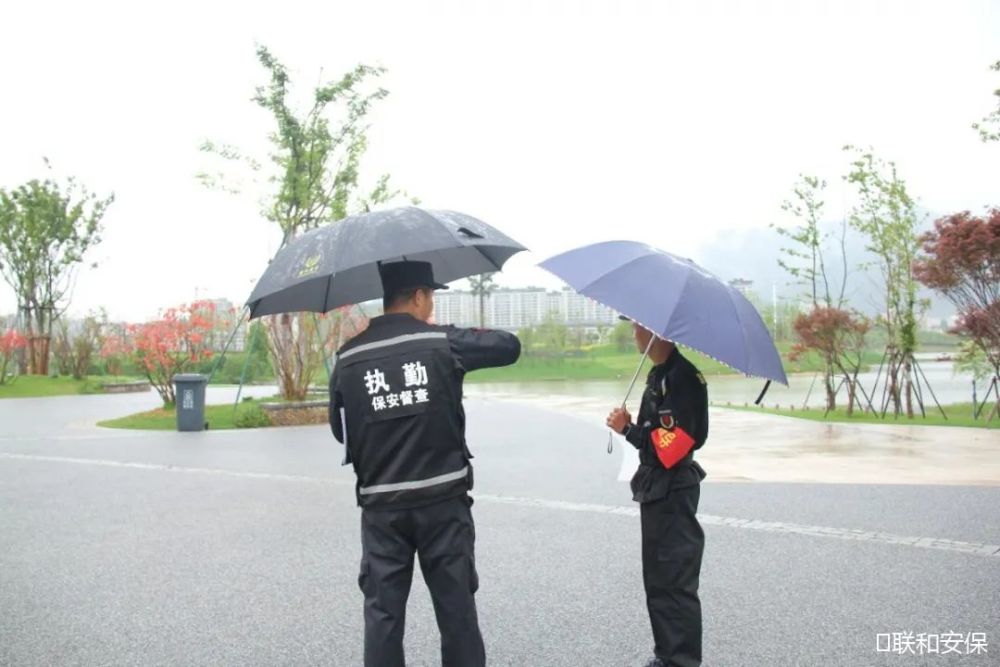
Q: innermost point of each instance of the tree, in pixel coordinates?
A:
(839, 337)
(961, 260)
(257, 349)
(482, 286)
(116, 348)
(805, 261)
(602, 331)
(298, 345)
(528, 337)
(971, 359)
(172, 345)
(75, 353)
(316, 158)
(45, 231)
(886, 214)
(989, 126)
(552, 334)
(622, 336)
(10, 342)
(575, 337)
(62, 349)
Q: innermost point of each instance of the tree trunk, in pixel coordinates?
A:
(831, 395)
(852, 386)
(908, 385)
(295, 345)
(22, 361)
(39, 335)
(893, 381)
(851, 395)
(38, 355)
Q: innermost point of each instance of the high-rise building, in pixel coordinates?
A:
(514, 309)
(223, 322)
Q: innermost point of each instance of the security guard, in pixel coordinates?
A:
(672, 423)
(397, 391)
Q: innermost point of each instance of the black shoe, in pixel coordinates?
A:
(656, 662)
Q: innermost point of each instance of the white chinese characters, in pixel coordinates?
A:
(414, 375)
(375, 381)
(910, 643)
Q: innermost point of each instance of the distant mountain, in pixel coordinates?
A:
(753, 254)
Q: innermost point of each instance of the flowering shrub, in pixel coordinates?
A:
(10, 342)
(114, 351)
(173, 344)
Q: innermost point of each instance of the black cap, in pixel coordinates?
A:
(624, 318)
(397, 276)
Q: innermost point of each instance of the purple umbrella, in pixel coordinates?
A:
(675, 299)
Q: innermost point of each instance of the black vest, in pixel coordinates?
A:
(401, 387)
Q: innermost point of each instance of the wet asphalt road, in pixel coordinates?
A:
(241, 548)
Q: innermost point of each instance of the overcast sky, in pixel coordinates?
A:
(562, 123)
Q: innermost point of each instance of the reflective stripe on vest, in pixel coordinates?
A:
(405, 338)
(418, 484)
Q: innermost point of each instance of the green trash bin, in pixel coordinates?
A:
(189, 391)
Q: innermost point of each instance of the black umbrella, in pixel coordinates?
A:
(337, 265)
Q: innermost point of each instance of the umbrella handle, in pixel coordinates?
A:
(631, 385)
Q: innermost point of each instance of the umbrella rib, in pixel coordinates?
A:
(326, 292)
(280, 290)
(687, 279)
(488, 258)
(680, 293)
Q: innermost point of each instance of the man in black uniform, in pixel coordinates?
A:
(397, 392)
(672, 423)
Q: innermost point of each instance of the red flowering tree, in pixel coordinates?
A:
(173, 344)
(839, 337)
(961, 260)
(115, 349)
(10, 342)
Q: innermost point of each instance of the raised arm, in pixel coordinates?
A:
(483, 348)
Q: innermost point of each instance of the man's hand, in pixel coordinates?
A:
(618, 420)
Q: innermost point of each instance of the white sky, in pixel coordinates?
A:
(562, 123)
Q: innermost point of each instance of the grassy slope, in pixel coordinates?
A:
(606, 363)
(38, 386)
(219, 417)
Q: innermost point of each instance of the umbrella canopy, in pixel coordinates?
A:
(675, 299)
(337, 265)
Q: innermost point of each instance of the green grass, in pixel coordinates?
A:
(607, 363)
(40, 386)
(219, 418)
(959, 414)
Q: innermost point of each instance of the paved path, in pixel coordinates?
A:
(241, 548)
(748, 446)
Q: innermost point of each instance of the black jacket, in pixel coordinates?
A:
(399, 385)
(674, 389)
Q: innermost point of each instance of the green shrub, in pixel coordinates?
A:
(232, 368)
(251, 415)
(92, 386)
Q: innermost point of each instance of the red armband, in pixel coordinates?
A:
(671, 445)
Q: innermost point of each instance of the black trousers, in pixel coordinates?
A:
(443, 537)
(672, 547)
